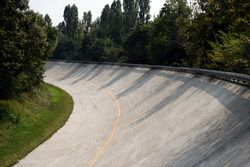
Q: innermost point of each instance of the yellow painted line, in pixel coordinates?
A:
(106, 142)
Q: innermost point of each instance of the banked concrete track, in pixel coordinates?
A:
(137, 117)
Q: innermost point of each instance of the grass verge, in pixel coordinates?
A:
(28, 120)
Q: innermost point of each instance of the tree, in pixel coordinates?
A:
(112, 22)
(47, 20)
(71, 21)
(11, 44)
(116, 22)
(70, 34)
(130, 14)
(23, 47)
(105, 20)
(166, 46)
(36, 51)
(51, 35)
(61, 27)
(87, 19)
(143, 9)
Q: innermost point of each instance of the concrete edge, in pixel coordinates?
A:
(238, 78)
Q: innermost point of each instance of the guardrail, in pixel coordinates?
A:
(242, 79)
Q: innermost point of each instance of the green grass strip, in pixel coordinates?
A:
(30, 119)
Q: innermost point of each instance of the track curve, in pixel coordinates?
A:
(167, 119)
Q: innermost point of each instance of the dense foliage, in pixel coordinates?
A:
(26, 40)
(205, 34)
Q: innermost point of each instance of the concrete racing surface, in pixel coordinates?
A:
(141, 117)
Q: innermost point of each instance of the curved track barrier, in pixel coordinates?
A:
(227, 76)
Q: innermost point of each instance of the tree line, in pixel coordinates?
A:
(205, 34)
